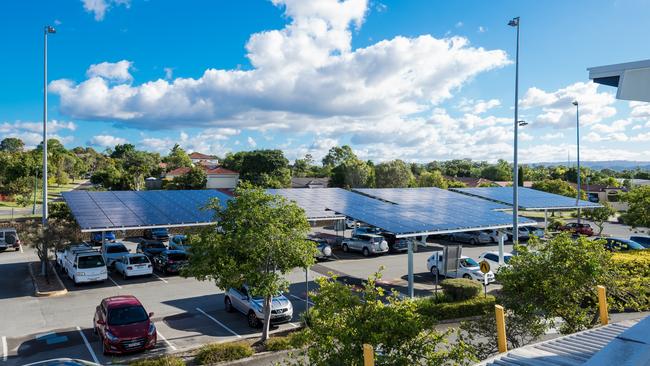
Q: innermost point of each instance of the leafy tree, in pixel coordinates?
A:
(558, 279)
(352, 174)
(342, 319)
(338, 155)
(303, 167)
(599, 215)
(498, 172)
(12, 145)
(432, 179)
(392, 174)
(121, 151)
(520, 177)
(452, 183)
(61, 176)
(261, 238)
(264, 168)
(638, 213)
(194, 179)
(177, 158)
(556, 186)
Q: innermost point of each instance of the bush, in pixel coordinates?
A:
(554, 224)
(459, 289)
(278, 344)
(217, 352)
(476, 306)
(159, 361)
(632, 280)
(298, 339)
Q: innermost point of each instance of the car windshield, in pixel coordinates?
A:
(180, 240)
(159, 231)
(90, 261)
(507, 258)
(176, 256)
(633, 245)
(139, 259)
(127, 315)
(468, 262)
(376, 240)
(116, 249)
(156, 246)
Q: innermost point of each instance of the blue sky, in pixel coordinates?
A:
(416, 80)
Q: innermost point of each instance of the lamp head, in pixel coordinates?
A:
(575, 103)
(514, 22)
(50, 29)
(522, 123)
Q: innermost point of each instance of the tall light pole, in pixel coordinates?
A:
(515, 176)
(46, 30)
(575, 103)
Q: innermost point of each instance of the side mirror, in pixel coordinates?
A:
(151, 314)
(128, 250)
(101, 322)
(244, 297)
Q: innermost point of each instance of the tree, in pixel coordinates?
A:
(638, 213)
(261, 237)
(432, 179)
(264, 168)
(520, 177)
(177, 158)
(194, 179)
(343, 319)
(12, 145)
(393, 174)
(556, 186)
(501, 171)
(61, 176)
(339, 155)
(352, 174)
(558, 279)
(121, 151)
(599, 215)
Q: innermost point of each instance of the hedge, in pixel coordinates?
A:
(480, 305)
(217, 352)
(632, 276)
(459, 289)
(159, 361)
(278, 344)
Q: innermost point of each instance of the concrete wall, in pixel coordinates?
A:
(224, 181)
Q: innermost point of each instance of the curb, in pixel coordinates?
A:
(39, 293)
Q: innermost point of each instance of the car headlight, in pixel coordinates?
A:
(152, 329)
(81, 274)
(111, 337)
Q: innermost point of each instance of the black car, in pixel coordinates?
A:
(151, 248)
(161, 234)
(170, 261)
(621, 245)
(395, 244)
(643, 240)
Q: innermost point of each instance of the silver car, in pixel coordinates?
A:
(471, 237)
(367, 244)
(253, 307)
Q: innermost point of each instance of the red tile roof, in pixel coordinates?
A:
(179, 171)
(208, 171)
(220, 170)
(198, 155)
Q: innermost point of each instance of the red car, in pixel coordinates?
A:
(123, 325)
(581, 229)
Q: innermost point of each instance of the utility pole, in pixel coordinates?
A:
(515, 181)
(47, 30)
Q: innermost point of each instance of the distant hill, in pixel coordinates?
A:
(612, 164)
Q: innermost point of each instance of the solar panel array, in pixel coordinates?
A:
(314, 209)
(401, 219)
(132, 209)
(529, 199)
(441, 199)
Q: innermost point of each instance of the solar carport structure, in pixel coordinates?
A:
(129, 210)
(529, 199)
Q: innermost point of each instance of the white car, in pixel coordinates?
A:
(494, 235)
(253, 307)
(467, 268)
(132, 265)
(112, 251)
(367, 244)
(493, 259)
(350, 223)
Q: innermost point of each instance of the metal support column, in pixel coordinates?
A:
(410, 268)
(545, 220)
(307, 288)
(502, 239)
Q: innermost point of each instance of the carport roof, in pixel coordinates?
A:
(431, 197)
(529, 199)
(126, 210)
(406, 219)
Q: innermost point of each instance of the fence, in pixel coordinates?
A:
(11, 213)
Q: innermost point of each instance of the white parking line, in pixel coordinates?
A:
(4, 349)
(166, 341)
(90, 349)
(301, 299)
(112, 280)
(294, 325)
(218, 322)
(160, 278)
(21, 249)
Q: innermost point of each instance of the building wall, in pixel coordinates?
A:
(223, 181)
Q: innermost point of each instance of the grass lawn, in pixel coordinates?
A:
(53, 191)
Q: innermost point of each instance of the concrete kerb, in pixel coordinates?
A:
(38, 292)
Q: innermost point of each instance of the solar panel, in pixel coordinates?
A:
(134, 209)
(429, 196)
(529, 199)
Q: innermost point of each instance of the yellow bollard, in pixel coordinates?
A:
(602, 305)
(368, 355)
(501, 329)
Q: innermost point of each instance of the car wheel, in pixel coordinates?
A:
(345, 248)
(467, 276)
(434, 271)
(17, 249)
(253, 322)
(472, 241)
(125, 276)
(366, 252)
(228, 305)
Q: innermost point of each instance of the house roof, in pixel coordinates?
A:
(198, 155)
(179, 171)
(470, 181)
(208, 171)
(306, 182)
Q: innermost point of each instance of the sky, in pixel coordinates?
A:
(416, 80)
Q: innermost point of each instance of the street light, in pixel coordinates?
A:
(523, 123)
(515, 176)
(575, 103)
(46, 30)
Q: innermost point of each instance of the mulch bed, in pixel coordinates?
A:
(42, 284)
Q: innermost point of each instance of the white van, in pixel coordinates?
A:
(9, 239)
(83, 264)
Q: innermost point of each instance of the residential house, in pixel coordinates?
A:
(218, 177)
(603, 193)
(471, 182)
(309, 182)
(197, 158)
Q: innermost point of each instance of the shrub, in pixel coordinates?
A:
(217, 352)
(632, 281)
(476, 306)
(459, 289)
(159, 361)
(278, 343)
(554, 224)
(298, 339)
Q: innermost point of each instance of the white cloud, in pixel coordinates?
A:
(31, 133)
(304, 72)
(112, 71)
(100, 7)
(552, 136)
(642, 137)
(639, 110)
(478, 106)
(616, 126)
(208, 141)
(557, 108)
(251, 142)
(459, 24)
(482, 29)
(106, 141)
(169, 73)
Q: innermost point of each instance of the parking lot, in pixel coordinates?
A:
(187, 312)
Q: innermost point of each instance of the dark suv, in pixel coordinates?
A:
(157, 234)
(395, 244)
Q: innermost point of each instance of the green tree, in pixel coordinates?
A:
(599, 215)
(177, 158)
(261, 238)
(59, 232)
(432, 179)
(638, 213)
(194, 179)
(338, 155)
(393, 174)
(556, 186)
(264, 168)
(303, 167)
(12, 145)
(558, 278)
(61, 176)
(343, 319)
(122, 150)
(352, 174)
(501, 171)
